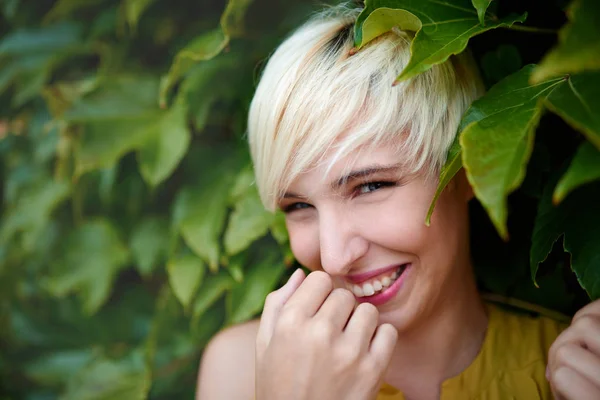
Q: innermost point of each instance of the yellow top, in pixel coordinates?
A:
(510, 365)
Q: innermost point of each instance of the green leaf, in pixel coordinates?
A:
(34, 207)
(497, 143)
(247, 298)
(584, 168)
(213, 287)
(497, 65)
(55, 38)
(133, 9)
(578, 102)
(63, 8)
(55, 368)
(446, 29)
(481, 6)
(200, 211)
(449, 170)
(577, 218)
(206, 46)
(169, 140)
(249, 221)
(149, 244)
(106, 379)
(578, 47)
(384, 19)
(185, 276)
(92, 257)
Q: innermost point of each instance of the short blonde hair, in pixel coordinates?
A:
(314, 97)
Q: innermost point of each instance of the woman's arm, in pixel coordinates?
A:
(227, 366)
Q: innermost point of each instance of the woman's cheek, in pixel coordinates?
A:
(305, 246)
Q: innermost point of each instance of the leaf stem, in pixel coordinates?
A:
(532, 29)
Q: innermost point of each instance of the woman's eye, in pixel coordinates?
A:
(372, 187)
(295, 207)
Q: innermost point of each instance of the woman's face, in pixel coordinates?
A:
(365, 226)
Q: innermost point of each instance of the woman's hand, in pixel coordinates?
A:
(574, 358)
(312, 344)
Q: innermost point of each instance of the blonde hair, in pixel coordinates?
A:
(316, 98)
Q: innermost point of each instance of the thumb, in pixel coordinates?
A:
(274, 303)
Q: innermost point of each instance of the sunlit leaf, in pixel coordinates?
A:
(34, 207)
(247, 298)
(213, 287)
(578, 219)
(248, 222)
(206, 46)
(106, 379)
(150, 243)
(584, 168)
(578, 47)
(133, 9)
(185, 275)
(446, 29)
(166, 145)
(92, 256)
(577, 101)
(481, 6)
(498, 141)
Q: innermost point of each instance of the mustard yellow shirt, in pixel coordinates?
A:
(510, 365)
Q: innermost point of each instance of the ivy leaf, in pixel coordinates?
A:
(584, 168)
(206, 46)
(249, 221)
(200, 210)
(150, 244)
(481, 6)
(213, 287)
(169, 140)
(185, 276)
(106, 379)
(446, 29)
(497, 144)
(578, 102)
(578, 220)
(92, 257)
(578, 47)
(247, 298)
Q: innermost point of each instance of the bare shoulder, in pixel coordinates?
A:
(227, 365)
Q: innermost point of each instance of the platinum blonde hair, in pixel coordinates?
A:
(315, 98)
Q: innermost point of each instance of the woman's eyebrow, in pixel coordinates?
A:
(364, 172)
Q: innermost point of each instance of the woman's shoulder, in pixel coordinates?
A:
(227, 365)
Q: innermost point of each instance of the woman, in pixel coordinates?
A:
(353, 161)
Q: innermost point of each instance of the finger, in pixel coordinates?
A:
(274, 302)
(580, 360)
(592, 309)
(337, 308)
(311, 294)
(570, 385)
(362, 325)
(383, 344)
(585, 332)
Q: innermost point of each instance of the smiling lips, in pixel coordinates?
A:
(371, 283)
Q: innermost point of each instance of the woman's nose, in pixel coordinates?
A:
(341, 243)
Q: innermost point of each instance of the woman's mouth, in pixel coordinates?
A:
(380, 289)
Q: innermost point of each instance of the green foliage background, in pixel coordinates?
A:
(131, 231)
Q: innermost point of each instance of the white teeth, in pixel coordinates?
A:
(396, 274)
(377, 285)
(358, 292)
(368, 289)
(386, 281)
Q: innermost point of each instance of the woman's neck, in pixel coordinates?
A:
(442, 347)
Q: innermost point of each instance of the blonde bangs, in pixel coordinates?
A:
(314, 98)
